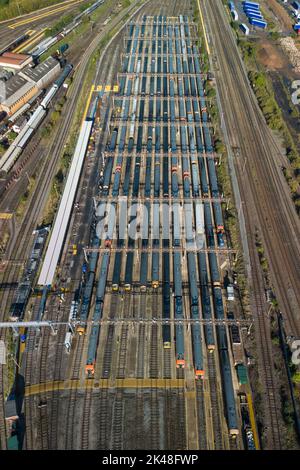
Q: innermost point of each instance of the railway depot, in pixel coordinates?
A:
(131, 317)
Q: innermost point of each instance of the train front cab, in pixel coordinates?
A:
(199, 373)
(180, 362)
(80, 330)
(233, 433)
(107, 242)
(90, 370)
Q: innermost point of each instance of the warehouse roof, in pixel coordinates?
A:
(37, 73)
(13, 55)
(13, 98)
(14, 84)
(9, 58)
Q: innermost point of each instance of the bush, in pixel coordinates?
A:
(296, 377)
(211, 93)
(248, 50)
(274, 35)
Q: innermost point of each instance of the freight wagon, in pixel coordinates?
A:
(117, 267)
(95, 331)
(166, 329)
(88, 288)
(196, 329)
(179, 330)
(228, 393)
(214, 270)
(205, 300)
(209, 225)
(218, 216)
(213, 177)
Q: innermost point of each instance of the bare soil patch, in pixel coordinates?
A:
(272, 57)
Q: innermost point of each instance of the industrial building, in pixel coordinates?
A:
(22, 87)
(14, 61)
(16, 93)
(42, 74)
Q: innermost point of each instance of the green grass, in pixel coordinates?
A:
(12, 8)
(19, 212)
(264, 92)
(263, 88)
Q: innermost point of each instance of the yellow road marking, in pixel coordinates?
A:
(88, 102)
(203, 27)
(102, 383)
(43, 15)
(5, 215)
(252, 420)
(30, 41)
(107, 88)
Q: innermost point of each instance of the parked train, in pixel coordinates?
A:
(95, 330)
(45, 44)
(16, 148)
(177, 162)
(15, 43)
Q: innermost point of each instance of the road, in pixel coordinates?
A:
(266, 201)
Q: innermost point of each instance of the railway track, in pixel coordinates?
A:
(3, 445)
(29, 402)
(155, 427)
(103, 420)
(264, 347)
(108, 352)
(76, 366)
(140, 429)
(75, 374)
(267, 205)
(153, 366)
(141, 356)
(87, 408)
(215, 406)
(117, 421)
(177, 432)
(58, 374)
(122, 352)
(43, 431)
(167, 363)
(201, 415)
(47, 414)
